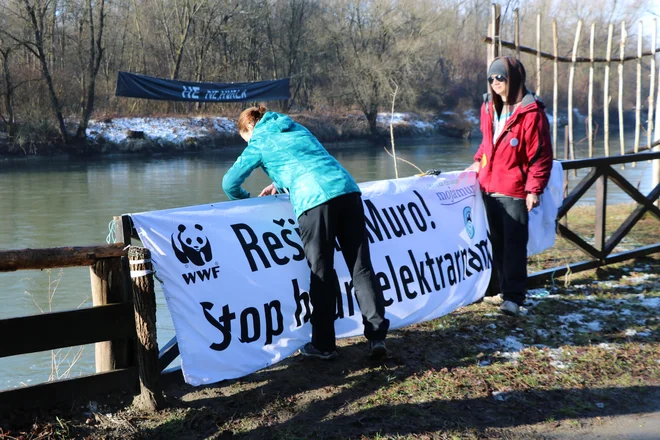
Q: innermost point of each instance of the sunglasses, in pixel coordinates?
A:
(499, 78)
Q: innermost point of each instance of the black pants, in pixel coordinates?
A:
(341, 218)
(508, 218)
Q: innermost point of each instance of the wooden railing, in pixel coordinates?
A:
(122, 309)
(600, 253)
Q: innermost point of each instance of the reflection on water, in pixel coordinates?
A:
(57, 202)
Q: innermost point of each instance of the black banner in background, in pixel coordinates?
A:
(140, 86)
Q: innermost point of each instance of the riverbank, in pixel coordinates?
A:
(153, 135)
(585, 360)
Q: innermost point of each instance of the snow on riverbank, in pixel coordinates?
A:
(179, 130)
(170, 129)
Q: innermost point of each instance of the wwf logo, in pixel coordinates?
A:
(192, 246)
(467, 219)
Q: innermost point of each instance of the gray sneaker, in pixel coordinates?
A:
(510, 308)
(309, 350)
(495, 300)
(377, 349)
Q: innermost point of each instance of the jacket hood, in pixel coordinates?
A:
(272, 121)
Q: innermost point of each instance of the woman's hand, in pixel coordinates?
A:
(532, 201)
(269, 190)
(473, 167)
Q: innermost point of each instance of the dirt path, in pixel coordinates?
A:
(637, 426)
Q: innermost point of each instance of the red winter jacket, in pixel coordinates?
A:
(521, 160)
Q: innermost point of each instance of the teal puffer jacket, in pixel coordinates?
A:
(294, 160)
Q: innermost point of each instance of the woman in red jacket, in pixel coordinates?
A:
(514, 162)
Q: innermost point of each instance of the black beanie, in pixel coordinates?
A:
(498, 67)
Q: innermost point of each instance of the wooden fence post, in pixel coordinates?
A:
(590, 117)
(571, 77)
(144, 301)
(601, 215)
(638, 89)
(622, 47)
(108, 288)
(606, 92)
(555, 87)
(538, 54)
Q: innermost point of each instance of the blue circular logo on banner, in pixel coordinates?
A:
(467, 219)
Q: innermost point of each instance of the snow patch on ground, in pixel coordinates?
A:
(168, 129)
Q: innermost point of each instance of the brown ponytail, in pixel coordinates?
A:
(250, 117)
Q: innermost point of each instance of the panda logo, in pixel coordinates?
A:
(191, 245)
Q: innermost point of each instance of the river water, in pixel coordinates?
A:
(55, 202)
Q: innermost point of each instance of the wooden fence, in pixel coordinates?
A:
(121, 323)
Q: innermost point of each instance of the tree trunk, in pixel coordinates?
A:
(9, 95)
(43, 61)
(95, 57)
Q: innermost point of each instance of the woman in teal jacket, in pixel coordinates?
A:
(328, 205)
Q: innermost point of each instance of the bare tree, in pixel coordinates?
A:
(95, 56)
(33, 13)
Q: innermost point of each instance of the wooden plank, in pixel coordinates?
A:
(79, 389)
(25, 259)
(630, 222)
(578, 192)
(592, 264)
(167, 354)
(579, 242)
(601, 213)
(108, 288)
(532, 51)
(599, 161)
(637, 196)
(30, 334)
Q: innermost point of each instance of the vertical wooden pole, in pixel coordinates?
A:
(123, 227)
(495, 23)
(638, 89)
(566, 176)
(571, 79)
(601, 213)
(489, 47)
(144, 302)
(606, 91)
(516, 32)
(555, 86)
(622, 48)
(649, 123)
(591, 91)
(108, 288)
(538, 54)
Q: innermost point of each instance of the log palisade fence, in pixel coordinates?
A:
(122, 323)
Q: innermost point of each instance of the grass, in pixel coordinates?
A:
(588, 348)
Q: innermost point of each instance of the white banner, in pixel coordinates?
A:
(236, 281)
(543, 219)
